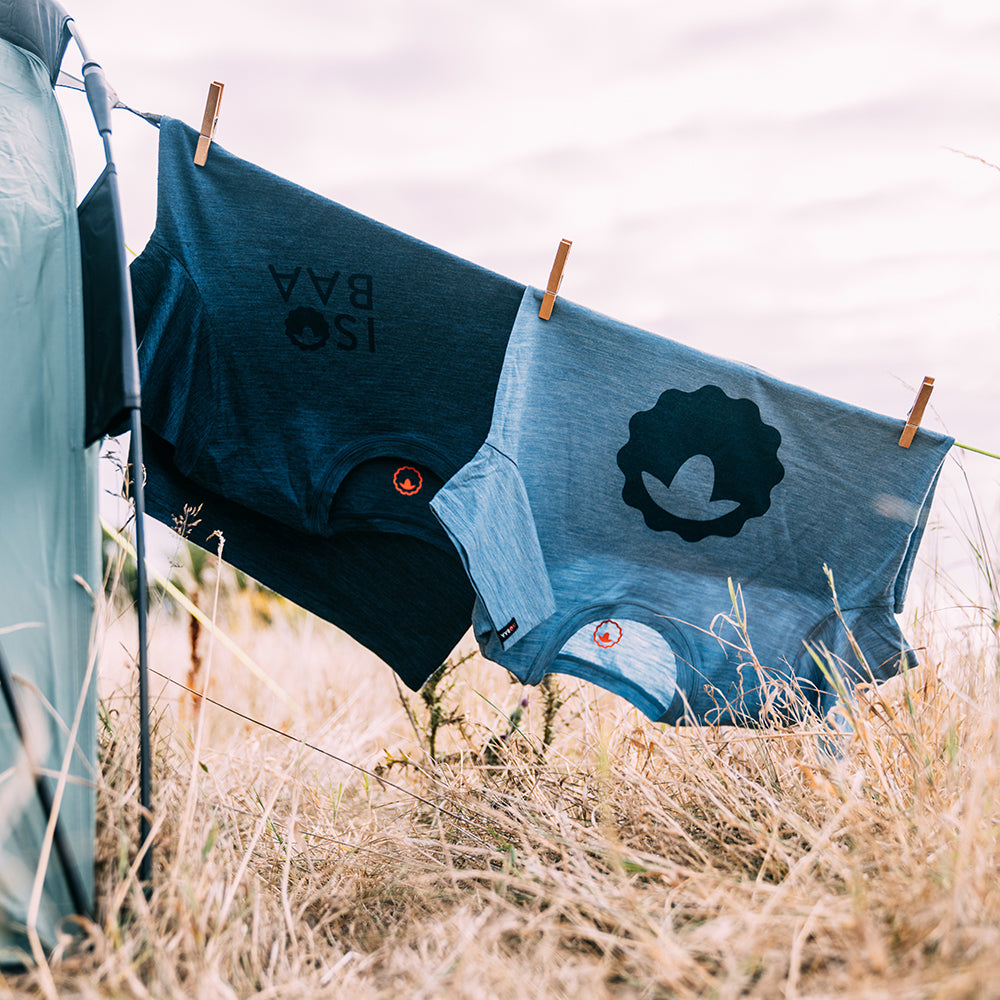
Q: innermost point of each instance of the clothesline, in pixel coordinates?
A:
(978, 451)
(71, 82)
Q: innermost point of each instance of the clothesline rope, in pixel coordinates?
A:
(71, 82)
(978, 451)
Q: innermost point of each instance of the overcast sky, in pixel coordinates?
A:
(793, 183)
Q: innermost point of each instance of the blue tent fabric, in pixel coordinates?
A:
(39, 27)
(49, 529)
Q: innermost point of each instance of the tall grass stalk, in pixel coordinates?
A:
(597, 855)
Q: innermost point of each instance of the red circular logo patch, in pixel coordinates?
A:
(407, 480)
(607, 634)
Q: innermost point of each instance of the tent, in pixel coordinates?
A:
(68, 376)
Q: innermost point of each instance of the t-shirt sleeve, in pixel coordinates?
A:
(173, 335)
(484, 509)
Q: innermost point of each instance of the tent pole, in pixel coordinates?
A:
(74, 882)
(145, 781)
(101, 99)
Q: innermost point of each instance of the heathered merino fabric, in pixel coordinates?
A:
(325, 373)
(631, 486)
(355, 578)
(112, 378)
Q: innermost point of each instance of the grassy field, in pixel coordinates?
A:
(332, 835)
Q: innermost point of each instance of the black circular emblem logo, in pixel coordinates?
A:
(307, 328)
(700, 463)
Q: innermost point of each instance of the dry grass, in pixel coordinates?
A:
(623, 860)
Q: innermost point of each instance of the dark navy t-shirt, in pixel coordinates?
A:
(319, 375)
(401, 597)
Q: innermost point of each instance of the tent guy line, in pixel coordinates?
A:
(327, 753)
(181, 598)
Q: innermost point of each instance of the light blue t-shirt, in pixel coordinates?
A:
(629, 481)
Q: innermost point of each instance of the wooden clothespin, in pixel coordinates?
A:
(916, 412)
(208, 123)
(555, 279)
